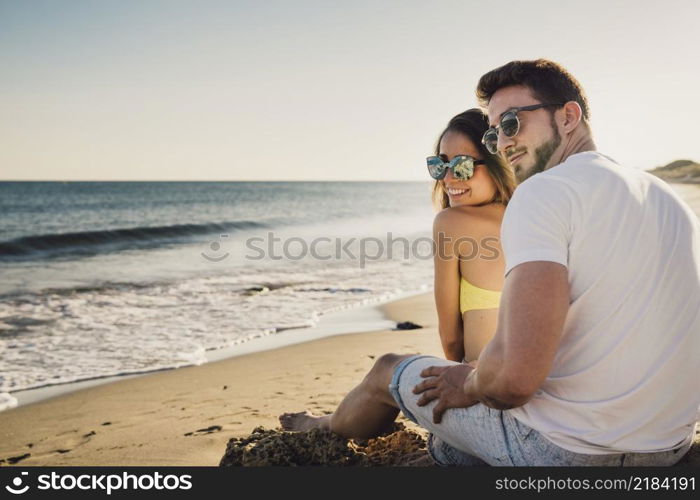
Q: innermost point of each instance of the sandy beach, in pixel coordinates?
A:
(186, 416)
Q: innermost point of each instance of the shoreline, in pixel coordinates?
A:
(364, 317)
(204, 406)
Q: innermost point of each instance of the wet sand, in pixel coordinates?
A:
(187, 416)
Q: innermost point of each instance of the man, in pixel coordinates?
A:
(594, 361)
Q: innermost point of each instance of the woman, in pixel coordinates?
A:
(472, 188)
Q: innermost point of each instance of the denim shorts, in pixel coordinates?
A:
(479, 435)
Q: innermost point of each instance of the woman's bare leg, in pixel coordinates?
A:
(366, 411)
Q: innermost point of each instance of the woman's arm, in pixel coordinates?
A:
(446, 261)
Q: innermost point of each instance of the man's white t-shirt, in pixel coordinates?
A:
(626, 376)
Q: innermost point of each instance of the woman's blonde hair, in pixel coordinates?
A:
(472, 124)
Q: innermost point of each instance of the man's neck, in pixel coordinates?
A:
(578, 141)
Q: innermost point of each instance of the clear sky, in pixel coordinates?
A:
(317, 90)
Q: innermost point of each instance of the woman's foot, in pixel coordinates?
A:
(304, 421)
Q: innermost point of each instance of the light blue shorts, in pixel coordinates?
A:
(480, 435)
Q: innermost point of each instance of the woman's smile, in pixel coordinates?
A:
(455, 192)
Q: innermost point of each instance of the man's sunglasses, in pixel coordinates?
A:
(509, 125)
(462, 167)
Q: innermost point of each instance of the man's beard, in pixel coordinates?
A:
(542, 156)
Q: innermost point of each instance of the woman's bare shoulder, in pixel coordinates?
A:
(469, 219)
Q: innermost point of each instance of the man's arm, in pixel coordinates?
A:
(514, 364)
(531, 318)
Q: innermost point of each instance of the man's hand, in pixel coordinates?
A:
(446, 384)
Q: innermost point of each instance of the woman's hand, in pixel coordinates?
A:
(446, 384)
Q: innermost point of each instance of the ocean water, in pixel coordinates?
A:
(103, 278)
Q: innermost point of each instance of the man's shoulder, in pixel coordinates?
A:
(550, 183)
(582, 166)
(575, 168)
(589, 170)
(563, 186)
(601, 172)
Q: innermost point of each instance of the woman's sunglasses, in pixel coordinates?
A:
(509, 125)
(462, 167)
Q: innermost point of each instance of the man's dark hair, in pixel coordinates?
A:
(548, 81)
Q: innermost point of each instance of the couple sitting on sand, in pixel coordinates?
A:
(592, 356)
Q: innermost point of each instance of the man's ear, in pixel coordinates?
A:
(572, 116)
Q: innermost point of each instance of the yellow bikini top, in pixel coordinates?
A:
(472, 297)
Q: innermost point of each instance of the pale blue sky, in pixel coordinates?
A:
(309, 90)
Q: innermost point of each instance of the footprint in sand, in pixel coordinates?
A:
(75, 442)
(19, 458)
(206, 430)
(72, 442)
